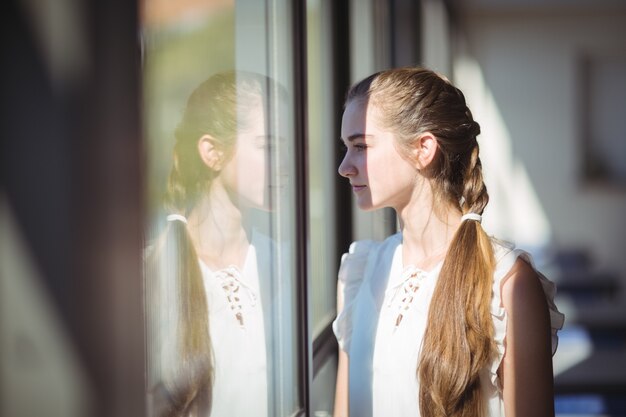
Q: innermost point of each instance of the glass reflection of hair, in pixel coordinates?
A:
(176, 294)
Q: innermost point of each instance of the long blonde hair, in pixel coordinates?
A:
(178, 321)
(458, 341)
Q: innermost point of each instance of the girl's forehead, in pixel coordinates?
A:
(362, 114)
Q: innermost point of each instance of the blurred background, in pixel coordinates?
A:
(91, 94)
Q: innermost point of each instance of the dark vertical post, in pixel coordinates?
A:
(341, 83)
(301, 198)
(405, 32)
(107, 210)
(70, 165)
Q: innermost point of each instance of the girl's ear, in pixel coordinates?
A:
(210, 152)
(425, 150)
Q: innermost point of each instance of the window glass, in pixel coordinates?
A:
(220, 276)
(322, 145)
(322, 170)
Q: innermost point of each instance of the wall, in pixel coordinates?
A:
(520, 69)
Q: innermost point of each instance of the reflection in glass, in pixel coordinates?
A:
(208, 274)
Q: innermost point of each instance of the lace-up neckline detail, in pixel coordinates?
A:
(234, 288)
(404, 292)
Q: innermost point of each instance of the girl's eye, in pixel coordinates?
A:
(359, 147)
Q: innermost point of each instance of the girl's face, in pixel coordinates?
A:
(380, 176)
(246, 176)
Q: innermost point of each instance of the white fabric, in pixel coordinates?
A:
(240, 385)
(176, 217)
(472, 216)
(383, 356)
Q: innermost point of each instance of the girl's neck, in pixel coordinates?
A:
(217, 230)
(426, 232)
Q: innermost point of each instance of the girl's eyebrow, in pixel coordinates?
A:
(355, 136)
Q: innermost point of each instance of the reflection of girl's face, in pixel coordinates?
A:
(246, 175)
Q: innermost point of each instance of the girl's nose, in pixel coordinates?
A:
(346, 169)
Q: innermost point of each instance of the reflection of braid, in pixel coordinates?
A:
(176, 192)
(186, 179)
(189, 381)
(178, 328)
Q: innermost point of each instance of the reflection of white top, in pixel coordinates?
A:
(238, 339)
(383, 321)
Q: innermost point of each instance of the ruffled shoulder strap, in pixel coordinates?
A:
(351, 275)
(506, 255)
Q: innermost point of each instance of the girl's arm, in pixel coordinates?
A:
(526, 369)
(341, 389)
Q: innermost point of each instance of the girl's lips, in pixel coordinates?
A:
(357, 188)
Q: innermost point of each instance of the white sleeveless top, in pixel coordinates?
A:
(236, 326)
(383, 322)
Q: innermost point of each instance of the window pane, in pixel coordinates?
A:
(322, 172)
(220, 280)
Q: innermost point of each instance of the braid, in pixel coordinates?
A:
(475, 197)
(460, 331)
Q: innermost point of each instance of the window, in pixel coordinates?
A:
(603, 127)
(323, 142)
(222, 279)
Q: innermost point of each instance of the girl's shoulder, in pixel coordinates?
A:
(506, 255)
(354, 262)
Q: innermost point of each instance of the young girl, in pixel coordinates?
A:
(208, 275)
(439, 319)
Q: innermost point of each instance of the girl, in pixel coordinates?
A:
(439, 319)
(207, 275)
